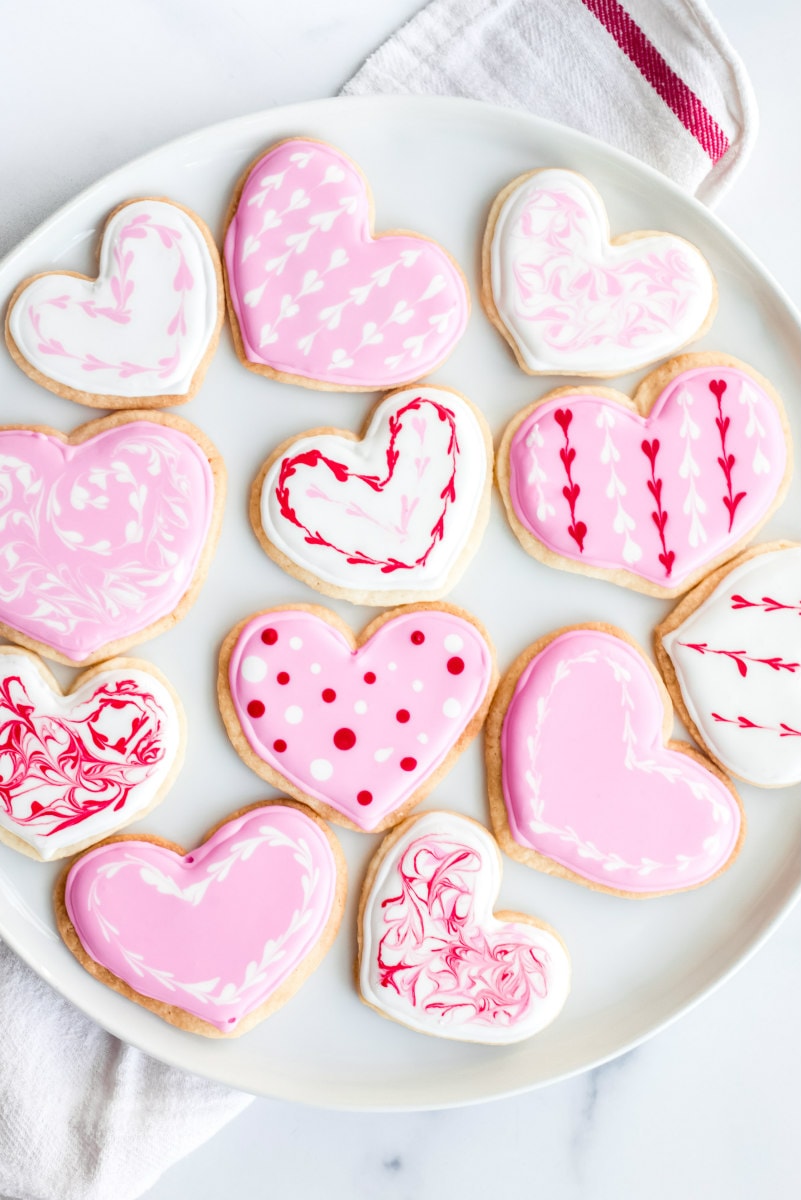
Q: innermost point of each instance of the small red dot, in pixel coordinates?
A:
(329, 695)
(418, 637)
(365, 797)
(369, 677)
(344, 739)
(283, 676)
(190, 858)
(408, 764)
(279, 746)
(269, 637)
(255, 709)
(402, 715)
(455, 665)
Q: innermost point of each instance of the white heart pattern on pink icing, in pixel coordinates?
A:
(575, 304)
(359, 731)
(143, 327)
(316, 296)
(101, 538)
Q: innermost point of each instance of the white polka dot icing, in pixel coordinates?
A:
(366, 740)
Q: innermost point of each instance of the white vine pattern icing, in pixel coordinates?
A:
(623, 522)
(754, 428)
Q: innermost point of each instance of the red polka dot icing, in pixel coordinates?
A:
(369, 750)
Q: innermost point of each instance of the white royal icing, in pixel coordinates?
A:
(407, 533)
(575, 303)
(141, 328)
(737, 659)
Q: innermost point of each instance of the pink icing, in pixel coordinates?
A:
(359, 731)
(101, 539)
(316, 295)
(214, 932)
(659, 496)
(588, 783)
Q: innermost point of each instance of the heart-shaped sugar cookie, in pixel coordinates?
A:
(360, 729)
(583, 781)
(106, 533)
(216, 940)
(434, 956)
(653, 491)
(315, 297)
(388, 518)
(143, 332)
(76, 766)
(569, 300)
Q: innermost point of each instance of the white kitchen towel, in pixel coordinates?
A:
(83, 1116)
(657, 78)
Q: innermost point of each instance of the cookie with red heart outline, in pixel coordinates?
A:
(585, 781)
(571, 300)
(433, 955)
(143, 332)
(652, 491)
(213, 940)
(359, 727)
(730, 654)
(387, 518)
(76, 765)
(315, 297)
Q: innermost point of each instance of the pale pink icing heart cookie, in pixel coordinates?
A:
(650, 492)
(583, 781)
(434, 956)
(107, 533)
(391, 517)
(143, 332)
(76, 766)
(360, 730)
(315, 298)
(569, 300)
(215, 940)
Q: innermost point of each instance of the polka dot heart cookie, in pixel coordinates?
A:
(361, 728)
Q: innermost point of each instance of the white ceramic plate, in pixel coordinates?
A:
(435, 166)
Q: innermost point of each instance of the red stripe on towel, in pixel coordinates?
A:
(680, 99)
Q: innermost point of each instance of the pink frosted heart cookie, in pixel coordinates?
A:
(107, 532)
(141, 334)
(584, 782)
(572, 301)
(386, 519)
(730, 654)
(315, 297)
(432, 953)
(217, 939)
(359, 728)
(77, 765)
(650, 492)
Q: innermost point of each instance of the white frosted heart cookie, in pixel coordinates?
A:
(432, 953)
(569, 299)
(144, 331)
(730, 654)
(386, 519)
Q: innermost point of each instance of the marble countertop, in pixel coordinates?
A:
(708, 1109)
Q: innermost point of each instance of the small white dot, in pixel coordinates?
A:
(451, 707)
(360, 706)
(417, 685)
(383, 754)
(321, 769)
(293, 715)
(453, 643)
(392, 666)
(422, 738)
(315, 668)
(295, 643)
(253, 669)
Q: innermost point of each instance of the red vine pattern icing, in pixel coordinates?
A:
(377, 484)
(742, 658)
(782, 729)
(767, 604)
(726, 460)
(660, 517)
(571, 490)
